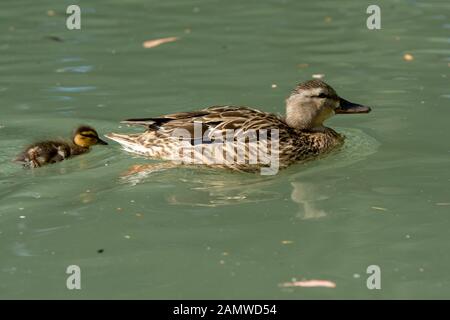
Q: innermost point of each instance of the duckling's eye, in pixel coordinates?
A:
(322, 95)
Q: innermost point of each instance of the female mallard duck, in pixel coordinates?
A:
(301, 133)
(51, 151)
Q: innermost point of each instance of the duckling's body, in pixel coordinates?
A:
(301, 134)
(52, 151)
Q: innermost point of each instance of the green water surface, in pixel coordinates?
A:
(187, 234)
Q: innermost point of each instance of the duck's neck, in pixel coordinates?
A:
(305, 120)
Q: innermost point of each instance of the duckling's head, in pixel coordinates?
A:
(85, 136)
(314, 101)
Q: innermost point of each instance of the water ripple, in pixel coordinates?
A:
(75, 69)
(73, 89)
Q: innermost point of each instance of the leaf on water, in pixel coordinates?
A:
(408, 57)
(379, 208)
(309, 284)
(156, 42)
(54, 38)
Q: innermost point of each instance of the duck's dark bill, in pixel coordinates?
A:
(350, 107)
(100, 141)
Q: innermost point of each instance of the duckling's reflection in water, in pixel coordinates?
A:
(306, 195)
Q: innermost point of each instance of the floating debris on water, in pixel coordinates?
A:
(100, 250)
(379, 208)
(443, 204)
(54, 38)
(22, 217)
(309, 284)
(87, 197)
(287, 242)
(328, 19)
(127, 237)
(318, 76)
(408, 57)
(156, 42)
(51, 13)
(274, 86)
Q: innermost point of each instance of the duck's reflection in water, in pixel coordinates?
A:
(204, 186)
(212, 188)
(208, 187)
(307, 195)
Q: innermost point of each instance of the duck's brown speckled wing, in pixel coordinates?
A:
(213, 118)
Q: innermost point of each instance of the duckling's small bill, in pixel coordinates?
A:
(102, 142)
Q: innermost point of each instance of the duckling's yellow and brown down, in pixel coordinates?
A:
(52, 151)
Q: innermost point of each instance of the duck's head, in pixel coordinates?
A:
(85, 136)
(314, 101)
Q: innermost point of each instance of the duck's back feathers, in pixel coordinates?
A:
(212, 118)
(165, 118)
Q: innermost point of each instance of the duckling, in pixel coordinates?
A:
(52, 151)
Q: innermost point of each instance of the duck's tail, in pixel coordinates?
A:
(127, 141)
(122, 138)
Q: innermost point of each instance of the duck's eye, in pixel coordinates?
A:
(322, 95)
